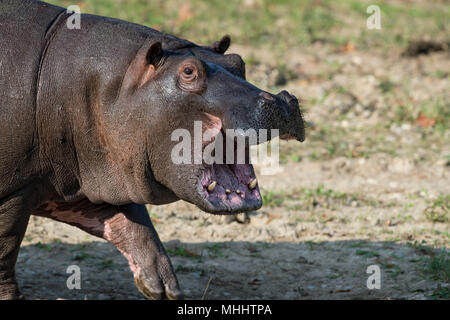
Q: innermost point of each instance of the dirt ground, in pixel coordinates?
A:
(282, 253)
(369, 186)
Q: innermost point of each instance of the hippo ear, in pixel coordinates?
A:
(222, 45)
(154, 53)
(143, 66)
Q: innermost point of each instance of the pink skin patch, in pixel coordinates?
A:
(88, 221)
(108, 235)
(74, 217)
(211, 127)
(212, 122)
(266, 95)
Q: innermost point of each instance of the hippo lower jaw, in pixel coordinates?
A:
(229, 188)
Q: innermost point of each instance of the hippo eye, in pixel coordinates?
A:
(188, 71)
(191, 76)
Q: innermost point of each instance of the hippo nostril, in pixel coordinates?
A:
(285, 95)
(289, 98)
(266, 95)
(294, 100)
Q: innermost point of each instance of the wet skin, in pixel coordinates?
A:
(86, 123)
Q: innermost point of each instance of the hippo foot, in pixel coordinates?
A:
(155, 286)
(9, 291)
(12, 296)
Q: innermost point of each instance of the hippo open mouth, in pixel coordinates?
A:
(230, 188)
(228, 182)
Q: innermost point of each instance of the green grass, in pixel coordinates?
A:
(81, 256)
(182, 252)
(43, 246)
(386, 86)
(215, 249)
(421, 248)
(438, 109)
(273, 199)
(180, 268)
(280, 23)
(320, 196)
(367, 253)
(441, 293)
(438, 267)
(438, 209)
(106, 264)
(359, 244)
(328, 141)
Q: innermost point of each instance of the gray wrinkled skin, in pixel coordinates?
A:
(86, 119)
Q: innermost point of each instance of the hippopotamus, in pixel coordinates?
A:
(87, 116)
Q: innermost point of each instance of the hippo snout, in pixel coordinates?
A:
(285, 114)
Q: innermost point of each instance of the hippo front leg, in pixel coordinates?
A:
(130, 230)
(133, 234)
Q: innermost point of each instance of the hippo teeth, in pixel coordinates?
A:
(252, 184)
(227, 191)
(211, 186)
(238, 191)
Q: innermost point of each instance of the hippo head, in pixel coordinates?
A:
(188, 90)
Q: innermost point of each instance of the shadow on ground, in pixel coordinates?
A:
(237, 270)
